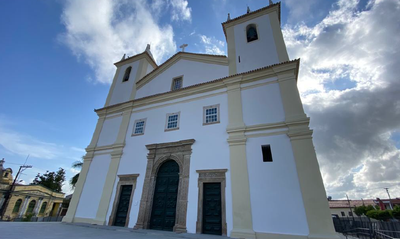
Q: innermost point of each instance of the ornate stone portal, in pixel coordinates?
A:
(180, 152)
(211, 176)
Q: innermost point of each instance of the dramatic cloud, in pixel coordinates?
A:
(212, 45)
(100, 35)
(349, 82)
(180, 10)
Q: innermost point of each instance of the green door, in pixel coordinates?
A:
(212, 220)
(123, 205)
(165, 197)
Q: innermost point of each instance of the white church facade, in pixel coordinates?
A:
(207, 144)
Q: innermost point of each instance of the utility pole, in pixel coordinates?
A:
(348, 200)
(8, 193)
(390, 200)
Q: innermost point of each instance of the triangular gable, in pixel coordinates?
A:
(205, 58)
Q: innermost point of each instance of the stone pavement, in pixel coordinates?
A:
(57, 230)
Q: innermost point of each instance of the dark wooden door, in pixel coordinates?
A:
(212, 219)
(165, 197)
(123, 205)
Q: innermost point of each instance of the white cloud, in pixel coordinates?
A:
(180, 10)
(100, 35)
(212, 45)
(352, 124)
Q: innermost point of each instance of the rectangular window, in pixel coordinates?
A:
(139, 127)
(350, 214)
(172, 121)
(211, 114)
(266, 151)
(177, 83)
(343, 214)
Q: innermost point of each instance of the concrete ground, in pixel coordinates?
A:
(57, 230)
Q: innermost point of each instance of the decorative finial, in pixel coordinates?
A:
(148, 47)
(270, 2)
(248, 8)
(123, 57)
(183, 47)
(229, 17)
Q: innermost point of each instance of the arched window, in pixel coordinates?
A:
(31, 206)
(251, 33)
(127, 73)
(17, 205)
(43, 208)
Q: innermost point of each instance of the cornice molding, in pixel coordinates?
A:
(137, 57)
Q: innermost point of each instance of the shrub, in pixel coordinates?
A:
(27, 217)
(396, 212)
(381, 215)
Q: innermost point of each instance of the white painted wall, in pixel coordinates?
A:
(122, 90)
(276, 201)
(150, 68)
(193, 73)
(210, 151)
(258, 53)
(262, 104)
(109, 132)
(93, 187)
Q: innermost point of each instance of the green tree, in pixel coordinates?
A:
(77, 165)
(51, 180)
(381, 215)
(396, 212)
(359, 211)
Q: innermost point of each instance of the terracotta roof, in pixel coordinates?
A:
(353, 203)
(208, 82)
(254, 12)
(178, 53)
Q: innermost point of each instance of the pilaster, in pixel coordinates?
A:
(73, 205)
(112, 87)
(311, 185)
(112, 170)
(230, 38)
(141, 71)
(241, 206)
(23, 209)
(290, 96)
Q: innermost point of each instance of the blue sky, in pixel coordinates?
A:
(56, 67)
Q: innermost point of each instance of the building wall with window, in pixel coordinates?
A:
(35, 200)
(192, 72)
(207, 144)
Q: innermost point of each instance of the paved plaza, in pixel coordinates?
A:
(57, 230)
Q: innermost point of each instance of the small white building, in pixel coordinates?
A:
(207, 144)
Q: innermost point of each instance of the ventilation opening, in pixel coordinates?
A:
(266, 151)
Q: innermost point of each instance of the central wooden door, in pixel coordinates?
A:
(212, 214)
(165, 197)
(123, 205)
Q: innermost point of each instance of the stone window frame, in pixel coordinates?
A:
(134, 126)
(174, 80)
(211, 176)
(180, 152)
(177, 122)
(124, 179)
(204, 114)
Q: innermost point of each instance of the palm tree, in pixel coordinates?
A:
(77, 165)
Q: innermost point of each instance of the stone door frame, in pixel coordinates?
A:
(180, 152)
(211, 176)
(126, 179)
